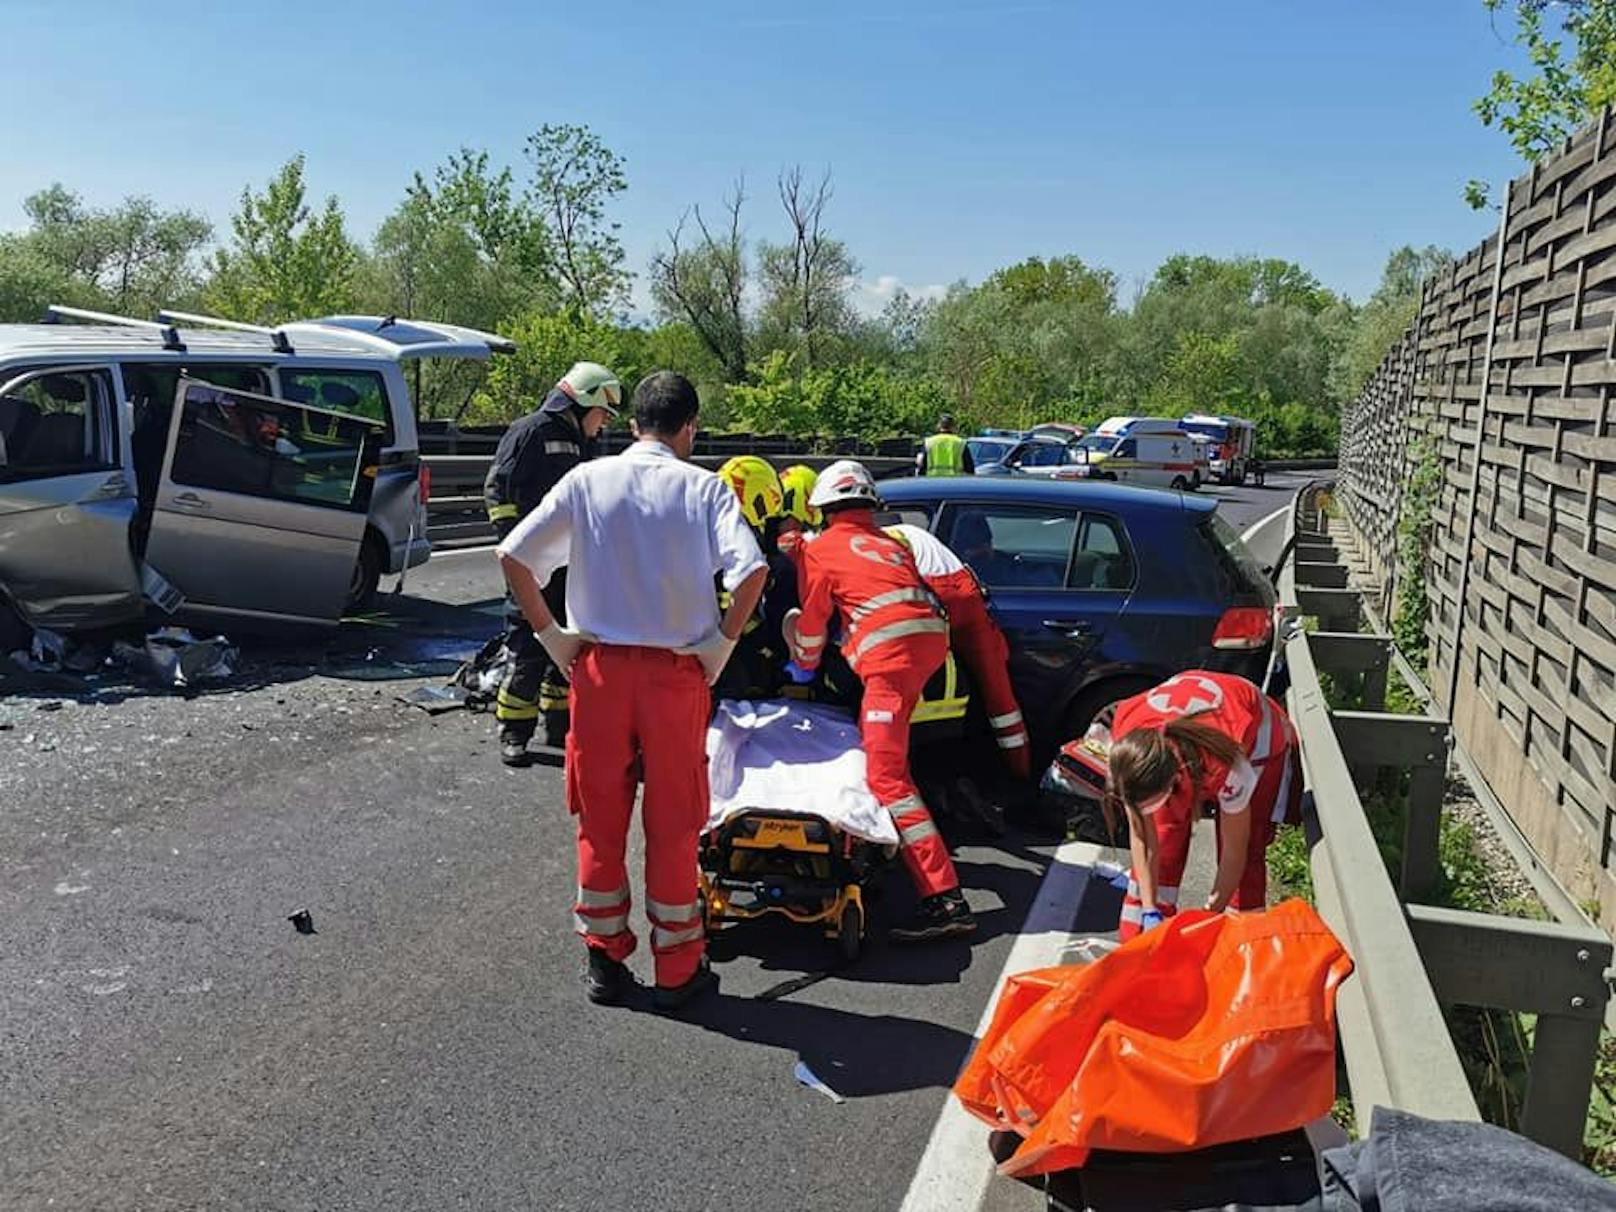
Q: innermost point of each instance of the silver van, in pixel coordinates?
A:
(220, 471)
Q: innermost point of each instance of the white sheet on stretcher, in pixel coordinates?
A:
(786, 756)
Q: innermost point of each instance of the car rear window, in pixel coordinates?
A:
(1240, 571)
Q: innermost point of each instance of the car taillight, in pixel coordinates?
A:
(424, 480)
(1244, 627)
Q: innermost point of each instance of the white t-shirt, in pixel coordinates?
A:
(932, 556)
(641, 535)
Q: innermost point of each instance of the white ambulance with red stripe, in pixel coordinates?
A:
(1154, 452)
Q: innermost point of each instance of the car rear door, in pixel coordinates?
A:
(254, 518)
(1056, 580)
(67, 500)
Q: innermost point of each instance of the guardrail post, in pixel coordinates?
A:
(1560, 1082)
(1345, 653)
(1335, 609)
(1321, 575)
(1418, 744)
(1549, 969)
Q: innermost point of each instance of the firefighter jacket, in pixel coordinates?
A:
(535, 452)
(856, 570)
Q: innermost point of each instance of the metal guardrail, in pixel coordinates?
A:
(1413, 959)
(455, 513)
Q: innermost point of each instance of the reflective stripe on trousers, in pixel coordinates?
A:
(891, 633)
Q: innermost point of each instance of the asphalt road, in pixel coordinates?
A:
(168, 1041)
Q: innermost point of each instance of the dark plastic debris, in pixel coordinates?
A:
(302, 921)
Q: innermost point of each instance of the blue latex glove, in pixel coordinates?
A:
(798, 674)
(1149, 920)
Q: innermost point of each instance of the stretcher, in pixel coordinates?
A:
(793, 829)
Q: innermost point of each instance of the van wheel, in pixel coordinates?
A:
(1180, 484)
(367, 575)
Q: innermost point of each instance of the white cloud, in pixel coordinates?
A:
(869, 297)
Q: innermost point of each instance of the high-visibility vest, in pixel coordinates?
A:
(945, 455)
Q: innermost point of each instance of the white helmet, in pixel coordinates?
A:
(843, 481)
(590, 385)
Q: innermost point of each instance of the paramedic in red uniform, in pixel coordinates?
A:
(1201, 738)
(642, 536)
(975, 636)
(895, 637)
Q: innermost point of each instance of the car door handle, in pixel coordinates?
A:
(1075, 628)
(189, 500)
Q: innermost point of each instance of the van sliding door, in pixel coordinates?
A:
(262, 503)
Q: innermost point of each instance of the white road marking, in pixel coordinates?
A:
(954, 1170)
(1256, 526)
(455, 551)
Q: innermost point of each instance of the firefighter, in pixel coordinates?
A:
(797, 485)
(533, 454)
(895, 638)
(1200, 738)
(945, 452)
(757, 670)
(975, 637)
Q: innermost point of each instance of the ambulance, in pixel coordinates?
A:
(1153, 452)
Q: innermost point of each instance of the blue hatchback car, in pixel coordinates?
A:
(1103, 590)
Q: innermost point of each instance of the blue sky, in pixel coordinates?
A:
(963, 134)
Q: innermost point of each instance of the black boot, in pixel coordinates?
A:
(513, 744)
(945, 915)
(668, 1000)
(606, 982)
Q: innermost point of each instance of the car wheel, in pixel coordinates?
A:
(367, 575)
(1099, 702)
(1180, 484)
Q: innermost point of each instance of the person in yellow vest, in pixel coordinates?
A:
(945, 452)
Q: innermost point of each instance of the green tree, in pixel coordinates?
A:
(805, 279)
(547, 344)
(575, 178)
(133, 258)
(1387, 314)
(286, 261)
(1539, 109)
(703, 279)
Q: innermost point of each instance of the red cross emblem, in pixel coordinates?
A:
(1185, 694)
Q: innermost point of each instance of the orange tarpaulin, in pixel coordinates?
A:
(1209, 1029)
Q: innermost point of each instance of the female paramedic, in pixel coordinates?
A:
(1200, 738)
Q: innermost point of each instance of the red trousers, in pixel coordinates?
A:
(1278, 794)
(651, 706)
(986, 653)
(891, 691)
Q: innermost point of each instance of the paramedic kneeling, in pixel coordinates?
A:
(642, 536)
(1200, 738)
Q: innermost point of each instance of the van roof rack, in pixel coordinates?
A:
(57, 312)
(277, 337)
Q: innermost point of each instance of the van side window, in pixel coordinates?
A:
(57, 424)
(259, 447)
(1128, 448)
(149, 388)
(353, 393)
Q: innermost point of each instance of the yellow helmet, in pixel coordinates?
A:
(757, 486)
(797, 482)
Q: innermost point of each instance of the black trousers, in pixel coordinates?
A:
(533, 688)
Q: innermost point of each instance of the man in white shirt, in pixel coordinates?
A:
(642, 536)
